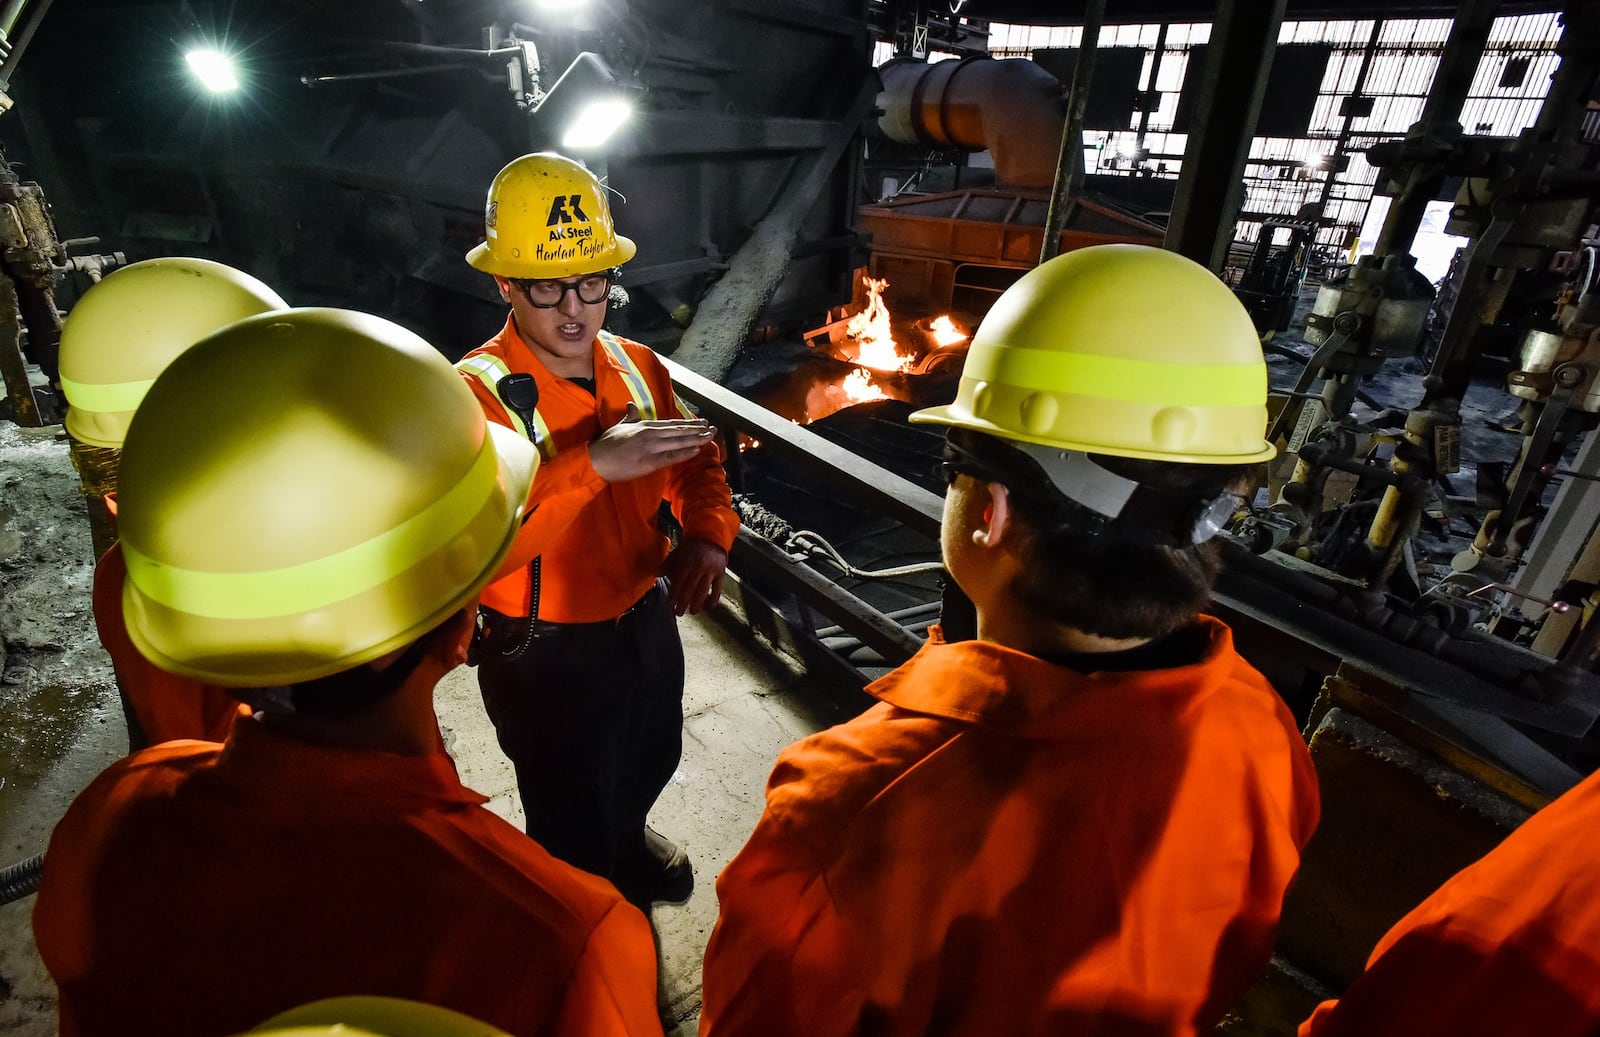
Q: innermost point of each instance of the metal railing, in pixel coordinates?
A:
(853, 477)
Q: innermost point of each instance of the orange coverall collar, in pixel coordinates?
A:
(277, 761)
(1014, 693)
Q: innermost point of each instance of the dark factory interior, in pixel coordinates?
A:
(827, 198)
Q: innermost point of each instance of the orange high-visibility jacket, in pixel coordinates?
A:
(1006, 846)
(197, 889)
(166, 706)
(1510, 945)
(597, 543)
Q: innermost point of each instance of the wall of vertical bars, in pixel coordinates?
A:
(1289, 175)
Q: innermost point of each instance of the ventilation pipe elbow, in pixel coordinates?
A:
(1010, 107)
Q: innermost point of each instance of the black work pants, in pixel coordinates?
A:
(591, 717)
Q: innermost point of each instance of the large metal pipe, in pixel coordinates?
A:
(1010, 107)
(20, 40)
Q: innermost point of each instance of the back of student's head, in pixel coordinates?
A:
(1140, 584)
(1119, 393)
(305, 492)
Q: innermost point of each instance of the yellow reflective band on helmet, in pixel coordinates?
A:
(638, 388)
(321, 582)
(107, 398)
(488, 369)
(1119, 377)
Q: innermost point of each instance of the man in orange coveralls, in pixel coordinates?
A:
(1510, 945)
(311, 503)
(1083, 821)
(122, 334)
(580, 665)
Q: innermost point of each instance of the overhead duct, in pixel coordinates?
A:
(1010, 107)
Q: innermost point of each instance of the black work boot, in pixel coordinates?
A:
(656, 872)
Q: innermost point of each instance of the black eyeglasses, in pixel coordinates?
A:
(547, 294)
(948, 470)
(957, 461)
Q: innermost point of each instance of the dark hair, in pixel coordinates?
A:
(346, 693)
(1110, 586)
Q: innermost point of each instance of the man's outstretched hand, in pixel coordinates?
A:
(634, 448)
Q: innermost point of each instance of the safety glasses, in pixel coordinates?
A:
(547, 294)
(958, 462)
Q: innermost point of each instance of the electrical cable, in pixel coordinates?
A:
(805, 544)
(21, 879)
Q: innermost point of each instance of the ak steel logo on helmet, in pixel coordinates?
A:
(491, 214)
(571, 233)
(564, 208)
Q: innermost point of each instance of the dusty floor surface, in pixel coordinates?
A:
(60, 724)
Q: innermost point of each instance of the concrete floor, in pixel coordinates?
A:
(742, 706)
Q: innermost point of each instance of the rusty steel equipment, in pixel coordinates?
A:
(959, 250)
(32, 261)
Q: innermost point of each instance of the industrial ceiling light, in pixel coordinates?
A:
(559, 5)
(595, 123)
(587, 105)
(213, 68)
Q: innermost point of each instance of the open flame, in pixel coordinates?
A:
(881, 363)
(872, 332)
(945, 333)
(860, 388)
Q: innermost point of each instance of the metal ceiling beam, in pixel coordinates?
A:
(795, 15)
(708, 133)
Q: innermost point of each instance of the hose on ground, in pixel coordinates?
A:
(21, 880)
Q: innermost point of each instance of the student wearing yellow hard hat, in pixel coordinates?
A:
(1083, 821)
(117, 339)
(372, 1017)
(311, 504)
(581, 667)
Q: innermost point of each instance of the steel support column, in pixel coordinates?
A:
(1204, 211)
(1069, 163)
(1345, 123)
(1439, 127)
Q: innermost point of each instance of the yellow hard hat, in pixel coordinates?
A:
(129, 327)
(305, 491)
(547, 216)
(373, 1017)
(1125, 350)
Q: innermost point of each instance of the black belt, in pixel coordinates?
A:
(500, 634)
